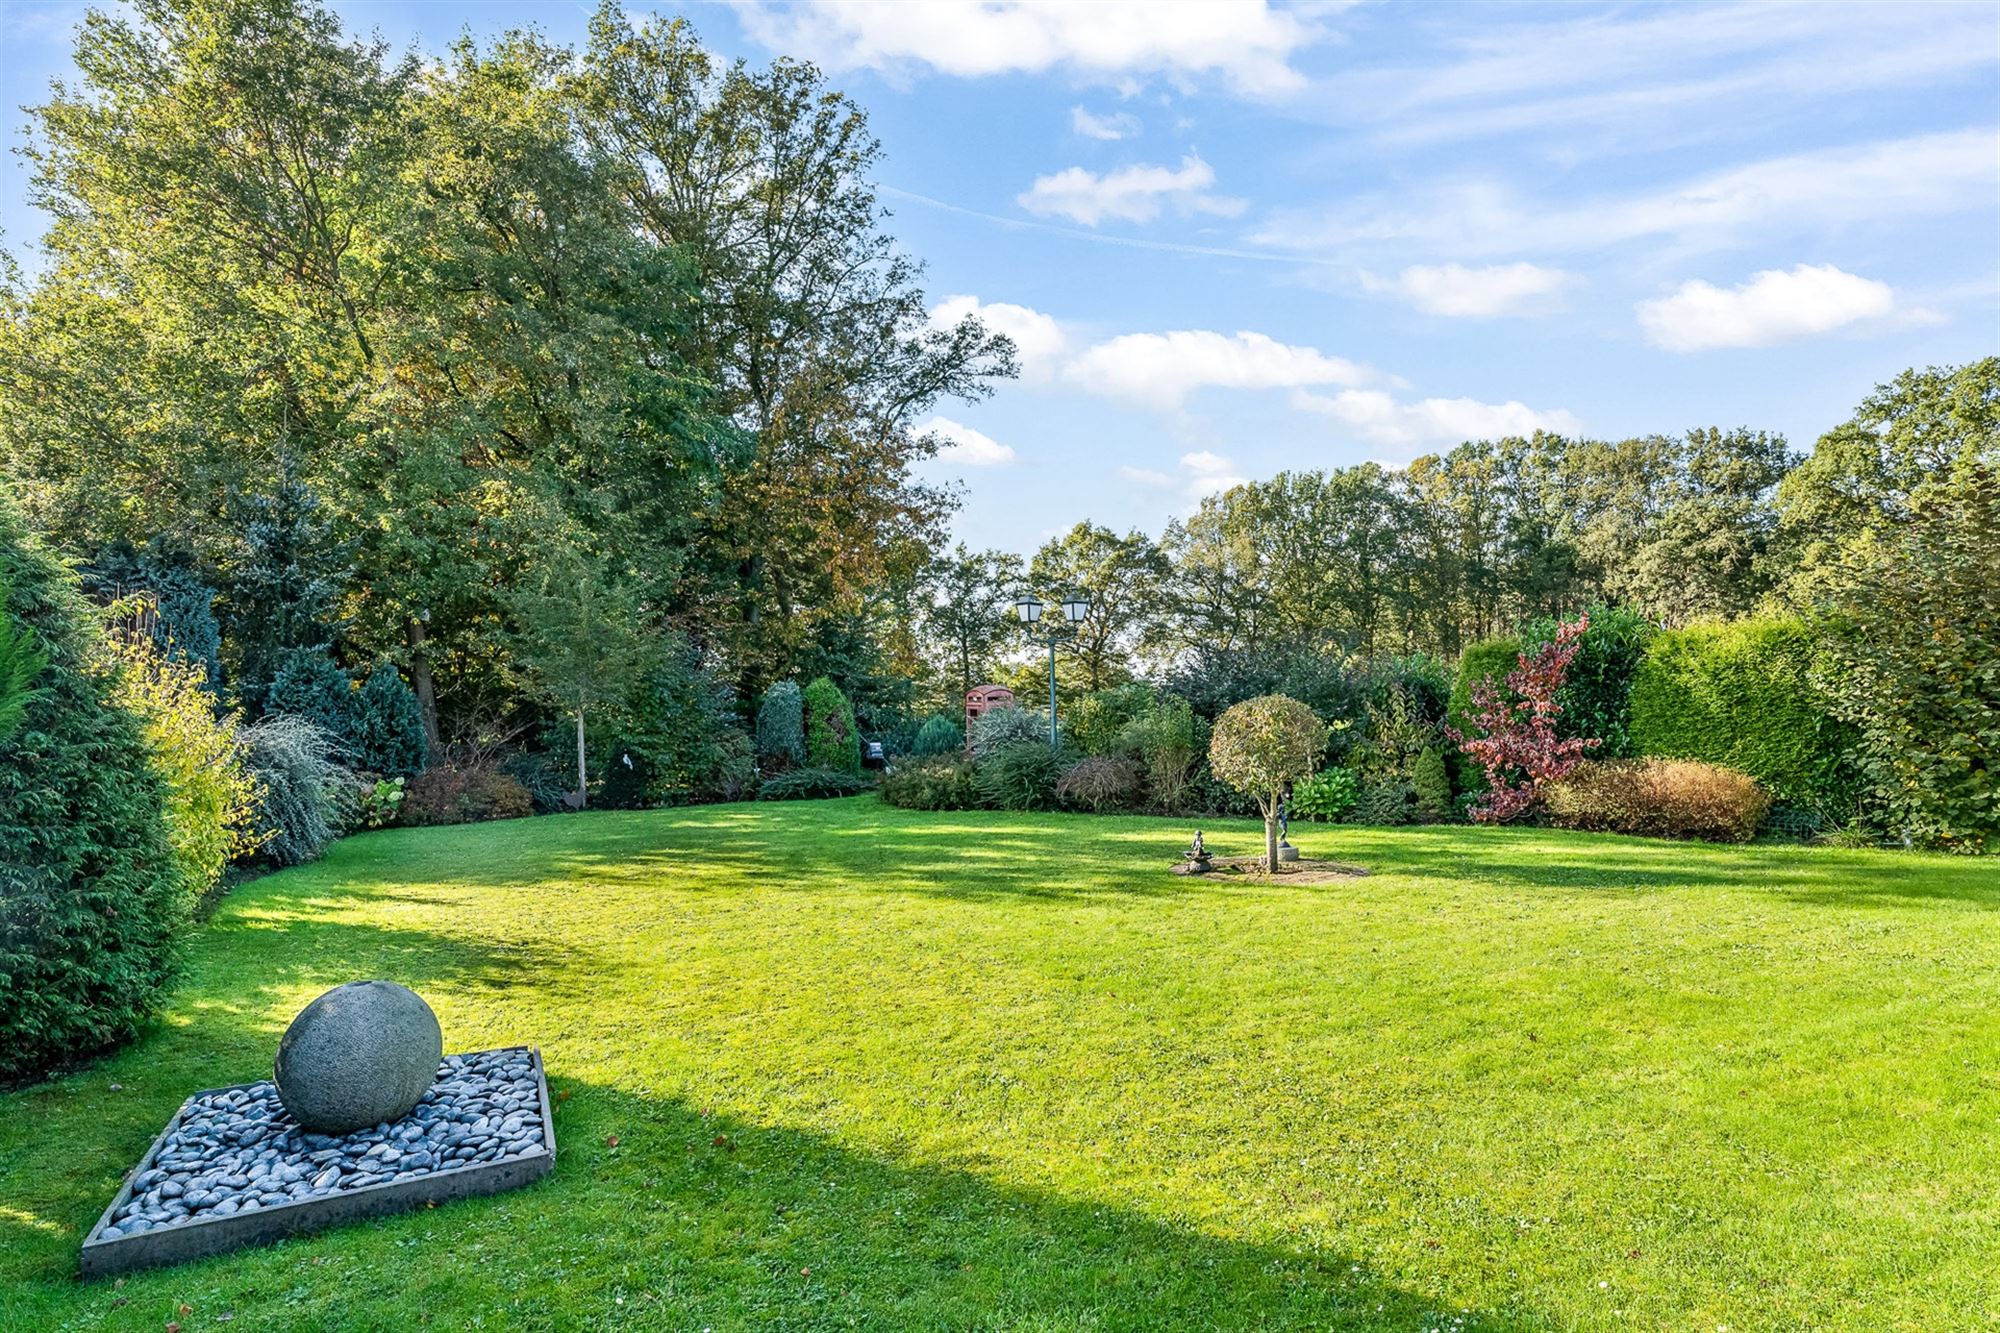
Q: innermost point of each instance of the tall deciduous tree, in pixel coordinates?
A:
(810, 324)
(1125, 580)
(581, 640)
(968, 613)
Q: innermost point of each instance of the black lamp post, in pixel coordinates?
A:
(1075, 611)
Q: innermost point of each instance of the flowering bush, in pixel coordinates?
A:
(1517, 746)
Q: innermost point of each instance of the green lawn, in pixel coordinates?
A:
(874, 1069)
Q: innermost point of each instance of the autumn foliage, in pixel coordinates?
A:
(1516, 745)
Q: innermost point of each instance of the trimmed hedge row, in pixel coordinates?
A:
(1741, 695)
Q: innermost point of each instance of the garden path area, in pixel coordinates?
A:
(828, 1064)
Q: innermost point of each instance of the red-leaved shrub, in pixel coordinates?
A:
(1660, 798)
(464, 794)
(1517, 744)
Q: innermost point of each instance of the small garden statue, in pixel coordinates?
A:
(1286, 852)
(1198, 861)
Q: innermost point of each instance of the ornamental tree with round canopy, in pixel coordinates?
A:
(1260, 747)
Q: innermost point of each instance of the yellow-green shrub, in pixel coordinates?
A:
(211, 799)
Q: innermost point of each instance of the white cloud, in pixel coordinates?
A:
(1117, 125)
(1145, 476)
(1129, 194)
(1206, 463)
(1773, 306)
(967, 447)
(1925, 175)
(1161, 369)
(1687, 72)
(1474, 293)
(1381, 418)
(1039, 341)
(1211, 474)
(1246, 42)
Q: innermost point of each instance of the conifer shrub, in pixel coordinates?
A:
(832, 741)
(781, 728)
(1432, 783)
(1743, 695)
(92, 894)
(940, 735)
(388, 725)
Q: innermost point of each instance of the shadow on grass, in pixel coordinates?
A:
(700, 1221)
(975, 855)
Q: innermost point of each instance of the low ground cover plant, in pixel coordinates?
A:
(1660, 798)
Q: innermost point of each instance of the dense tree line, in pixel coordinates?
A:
(1470, 544)
(371, 343)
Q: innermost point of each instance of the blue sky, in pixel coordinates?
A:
(1233, 238)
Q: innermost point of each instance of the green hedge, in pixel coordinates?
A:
(91, 894)
(1740, 695)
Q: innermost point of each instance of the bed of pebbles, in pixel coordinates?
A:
(237, 1150)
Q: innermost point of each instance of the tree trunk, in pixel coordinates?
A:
(426, 688)
(1271, 843)
(582, 776)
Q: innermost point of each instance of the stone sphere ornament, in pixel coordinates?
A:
(360, 1054)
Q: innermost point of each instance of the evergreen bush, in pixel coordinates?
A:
(1596, 696)
(1433, 786)
(91, 891)
(311, 685)
(781, 728)
(388, 725)
(940, 735)
(1742, 695)
(831, 739)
